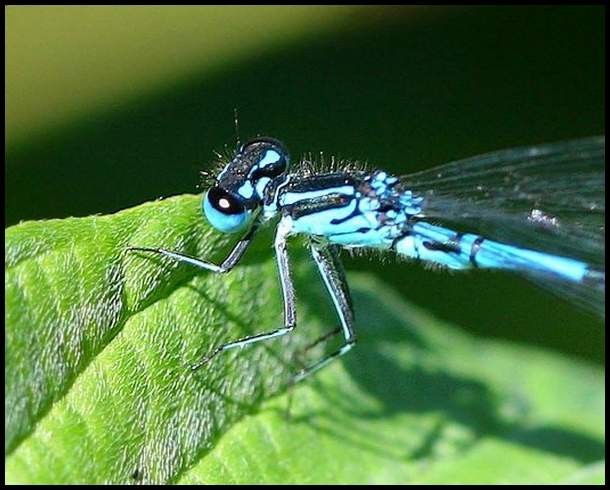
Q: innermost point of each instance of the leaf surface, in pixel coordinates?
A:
(98, 386)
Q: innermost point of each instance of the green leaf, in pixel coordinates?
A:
(98, 386)
(418, 402)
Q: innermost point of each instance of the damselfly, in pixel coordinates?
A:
(536, 211)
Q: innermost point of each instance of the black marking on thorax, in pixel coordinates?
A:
(338, 221)
(324, 202)
(316, 205)
(324, 181)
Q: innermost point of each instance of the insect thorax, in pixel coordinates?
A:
(353, 209)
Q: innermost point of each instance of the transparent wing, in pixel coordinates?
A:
(549, 198)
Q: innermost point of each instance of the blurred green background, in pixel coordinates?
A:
(109, 107)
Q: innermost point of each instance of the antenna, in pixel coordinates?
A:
(236, 120)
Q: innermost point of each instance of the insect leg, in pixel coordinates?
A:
(336, 266)
(331, 271)
(323, 338)
(287, 292)
(227, 264)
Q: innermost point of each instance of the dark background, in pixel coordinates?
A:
(401, 91)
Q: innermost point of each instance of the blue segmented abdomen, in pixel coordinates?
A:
(376, 211)
(454, 250)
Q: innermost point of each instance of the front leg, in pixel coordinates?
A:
(283, 231)
(227, 264)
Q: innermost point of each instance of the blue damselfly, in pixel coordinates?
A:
(536, 211)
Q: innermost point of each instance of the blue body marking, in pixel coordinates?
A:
(271, 156)
(518, 195)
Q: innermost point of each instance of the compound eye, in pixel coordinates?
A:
(224, 211)
(224, 202)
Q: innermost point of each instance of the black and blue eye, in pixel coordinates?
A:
(224, 211)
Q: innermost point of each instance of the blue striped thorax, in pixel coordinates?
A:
(237, 197)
